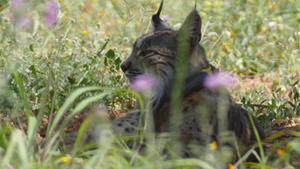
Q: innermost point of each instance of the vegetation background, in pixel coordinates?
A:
(49, 49)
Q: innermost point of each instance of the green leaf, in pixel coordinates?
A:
(110, 54)
(71, 80)
(33, 70)
(31, 48)
(118, 61)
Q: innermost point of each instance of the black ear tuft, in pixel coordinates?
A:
(158, 23)
(192, 25)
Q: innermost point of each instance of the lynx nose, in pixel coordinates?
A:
(125, 66)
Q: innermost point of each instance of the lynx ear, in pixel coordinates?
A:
(192, 26)
(158, 23)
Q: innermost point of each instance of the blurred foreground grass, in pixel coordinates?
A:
(42, 63)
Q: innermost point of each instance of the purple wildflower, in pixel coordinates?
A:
(19, 14)
(143, 83)
(52, 11)
(220, 79)
(17, 4)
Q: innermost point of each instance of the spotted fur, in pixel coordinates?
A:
(155, 53)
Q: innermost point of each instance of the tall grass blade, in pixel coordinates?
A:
(17, 145)
(31, 130)
(70, 100)
(22, 93)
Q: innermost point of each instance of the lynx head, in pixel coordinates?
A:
(155, 52)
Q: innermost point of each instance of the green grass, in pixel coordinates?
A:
(48, 71)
